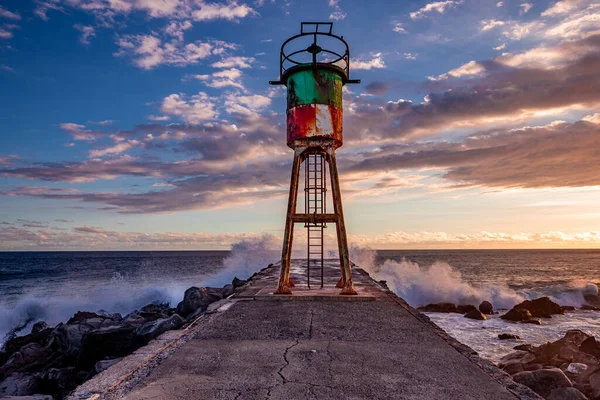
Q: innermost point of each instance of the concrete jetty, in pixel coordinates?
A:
(310, 345)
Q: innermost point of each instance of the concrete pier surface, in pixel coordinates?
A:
(310, 345)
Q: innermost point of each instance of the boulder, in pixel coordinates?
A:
(507, 336)
(227, 290)
(238, 282)
(68, 338)
(112, 341)
(524, 347)
(20, 384)
(592, 299)
(32, 397)
(81, 316)
(439, 307)
(543, 381)
(30, 357)
(568, 308)
(532, 321)
(103, 365)
(60, 381)
(540, 307)
(566, 393)
(590, 346)
(475, 314)
(153, 329)
(486, 308)
(38, 327)
(595, 385)
(516, 314)
(134, 319)
(195, 298)
(516, 362)
(589, 308)
(576, 368)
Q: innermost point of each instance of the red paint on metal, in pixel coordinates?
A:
(314, 122)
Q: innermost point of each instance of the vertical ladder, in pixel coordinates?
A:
(315, 203)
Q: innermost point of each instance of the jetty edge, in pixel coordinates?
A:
(258, 345)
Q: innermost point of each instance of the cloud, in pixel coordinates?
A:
(231, 11)
(117, 148)
(399, 28)
(158, 117)
(468, 69)
(42, 8)
(4, 13)
(377, 88)
(87, 32)
(563, 7)
(410, 56)
(148, 51)
(337, 14)
(525, 7)
(6, 68)
(438, 6)
(499, 4)
(234, 62)
(500, 47)
(177, 28)
(559, 154)
(196, 109)
(225, 78)
(376, 61)
(79, 132)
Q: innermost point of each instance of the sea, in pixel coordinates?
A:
(52, 286)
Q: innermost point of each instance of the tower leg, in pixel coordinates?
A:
(346, 282)
(285, 283)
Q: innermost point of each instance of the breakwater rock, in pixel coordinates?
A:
(568, 368)
(51, 362)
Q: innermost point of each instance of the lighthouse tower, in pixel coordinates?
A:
(314, 66)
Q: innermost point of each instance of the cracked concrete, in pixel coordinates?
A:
(318, 350)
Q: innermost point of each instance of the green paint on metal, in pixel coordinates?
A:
(309, 86)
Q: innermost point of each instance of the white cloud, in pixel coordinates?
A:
(594, 118)
(230, 11)
(399, 28)
(499, 4)
(176, 29)
(6, 68)
(158, 117)
(87, 32)
(118, 148)
(410, 56)
(468, 69)
(563, 7)
(225, 78)
(149, 51)
(488, 24)
(4, 34)
(197, 109)
(42, 8)
(337, 14)
(4, 13)
(438, 6)
(361, 63)
(235, 62)
(500, 47)
(525, 7)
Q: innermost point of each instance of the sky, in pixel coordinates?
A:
(150, 124)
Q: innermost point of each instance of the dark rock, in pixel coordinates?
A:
(533, 367)
(114, 316)
(238, 282)
(595, 385)
(524, 347)
(81, 316)
(439, 307)
(227, 290)
(31, 397)
(566, 393)
(465, 308)
(589, 308)
(543, 381)
(20, 384)
(134, 319)
(506, 336)
(590, 346)
(532, 321)
(194, 315)
(517, 314)
(30, 357)
(475, 314)
(16, 343)
(568, 308)
(540, 307)
(38, 327)
(103, 365)
(486, 308)
(60, 381)
(592, 299)
(112, 341)
(195, 298)
(516, 362)
(154, 329)
(68, 338)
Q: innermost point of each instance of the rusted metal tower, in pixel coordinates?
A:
(314, 66)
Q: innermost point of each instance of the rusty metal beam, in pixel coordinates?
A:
(316, 218)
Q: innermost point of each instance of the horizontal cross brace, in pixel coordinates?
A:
(296, 218)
